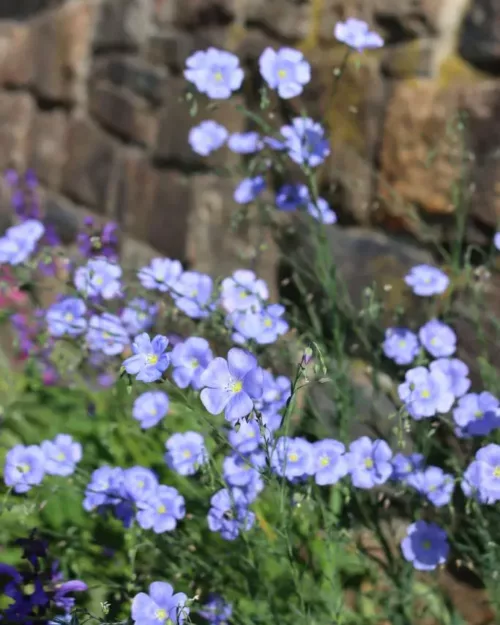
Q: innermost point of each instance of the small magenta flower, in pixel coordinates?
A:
(99, 277)
(330, 464)
(160, 606)
(24, 468)
(214, 72)
(160, 275)
(286, 71)
(401, 345)
(150, 408)
(426, 280)
(425, 546)
(207, 137)
(245, 142)
(216, 611)
(356, 34)
(249, 190)
(438, 338)
(162, 511)
(293, 458)
(61, 455)
(232, 385)
(426, 393)
(477, 414)
(305, 142)
(149, 360)
(67, 317)
(186, 452)
(107, 334)
(457, 373)
(190, 359)
(369, 462)
(242, 291)
(194, 295)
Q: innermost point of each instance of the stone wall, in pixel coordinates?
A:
(91, 98)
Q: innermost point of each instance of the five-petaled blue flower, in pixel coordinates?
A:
(161, 511)
(426, 280)
(20, 241)
(249, 190)
(369, 462)
(160, 606)
(214, 72)
(482, 477)
(433, 483)
(150, 408)
(286, 70)
(229, 514)
(356, 34)
(161, 274)
(149, 360)
(61, 455)
(457, 373)
(138, 316)
(305, 142)
(190, 359)
(186, 452)
(426, 393)
(401, 345)
(24, 467)
(207, 137)
(242, 291)
(232, 385)
(194, 294)
(293, 458)
(245, 142)
(99, 277)
(438, 338)
(216, 611)
(477, 414)
(330, 463)
(106, 334)
(67, 317)
(425, 546)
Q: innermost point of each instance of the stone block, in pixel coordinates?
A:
(480, 35)
(16, 117)
(16, 54)
(123, 113)
(48, 146)
(62, 46)
(123, 24)
(171, 46)
(89, 174)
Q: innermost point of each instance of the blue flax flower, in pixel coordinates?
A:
(138, 316)
(330, 461)
(150, 408)
(477, 414)
(249, 190)
(67, 317)
(293, 458)
(457, 373)
(20, 242)
(216, 73)
(286, 70)
(425, 546)
(232, 385)
(207, 137)
(149, 360)
(496, 240)
(245, 142)
(61, 455)
(305, 142)
(426, 280)
(263, 326)
(160, 275)
(190, 359)
(24, 468)
(229, 514)
(369, 462)
(99, 277)
(238, 471)
(482, 477)
(242, 291)
(245, 438)
(139, 484)
(404, 466)
(160, 607)
(438, 338)
(426, 393)
(186, 452)
(401, 345)
(434, 484)
(216, 611)
(194, 295)
(356, 34)
(106, 334)
(161, 511)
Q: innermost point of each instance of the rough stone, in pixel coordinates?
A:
(480, 36)
(172, 46)
(63, 215)
(88, 176)
(417, 58)
(407, 19)
(123, 113)
(24, 9)
(123, 24)
(16, 55)
(62, 45)
(48, 146)
(16, 116)
(135, 75)
(287, 19)
(193, 13)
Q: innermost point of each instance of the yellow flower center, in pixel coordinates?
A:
(61, 456)
(267, 322)
(368, 463)
(69, 317)
(153, 412)
(434, 340)
(479, 414)
(324, 461)
(293, 457)
(496, 471)
(151, 359)
(161, 509)
(141, 316)
(106, 335)
(194, 292)
(98, 280)
(218, 76)
(140, 484)
(194, 363)
(243, 294)
(402, 344)
(426, 544)
(186, 453)
(425, 394)
(237, 386)
(282, 73)
(23, 468)
(161, 615)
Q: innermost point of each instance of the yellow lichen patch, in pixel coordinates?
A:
(408, 60)
(312, 40)
(454, 69)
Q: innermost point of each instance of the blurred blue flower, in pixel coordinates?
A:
(232, 385)
(67, 317)
(207, 137)
(104, 488)
(61, 455)
(438, 338)
(229, 514)
(330, 464)
(161, 274)
(263, 326)
(20, 241)
(293, 458)
(242, 291)
(107, 335)
(194, 294)
(426, 280)
(24, 467)
(434, 484)
(190, 359)
(149, 360)
(216, 73)
(426, 393)
(139, 484)
(216, 611)
(305, 142)
(425, 546)
(482, 477)
(138, 316)
(186, 452)
(456, 372)
(403, 466)
(401, 345)
(249, 190)
(245, 142)
(238, 471)
(160, 607)
(369, 462)
(290, 197)
(496, 240)
(150, 408)
(477, 414)
(161, 511)
(99, 277)
(286, 70)
(245, 437)
(356, 34)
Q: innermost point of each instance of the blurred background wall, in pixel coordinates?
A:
(91, 99)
